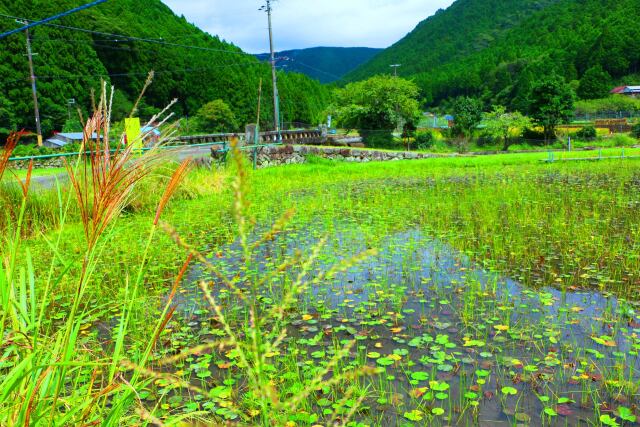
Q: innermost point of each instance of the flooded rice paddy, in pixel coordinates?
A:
(448, 342)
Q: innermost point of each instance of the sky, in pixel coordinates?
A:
(308, 23)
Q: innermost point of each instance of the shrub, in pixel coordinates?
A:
(622, 140)
(26, 150)
(378, 138)
(587, 132)
(534, 136)
(636, 130)
(424, 140)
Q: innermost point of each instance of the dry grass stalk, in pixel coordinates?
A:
(104, 186)
(172, 186)
(12, 143)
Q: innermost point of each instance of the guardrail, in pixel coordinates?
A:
(62, 155)
(210, 140)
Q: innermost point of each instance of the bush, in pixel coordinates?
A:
(25, 150)
(378, 138)
(533, 136)
(635, 131)
(587, 132)
(424, 140)
(622, 140)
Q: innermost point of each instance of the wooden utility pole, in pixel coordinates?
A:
(34, 89)
(274, 76)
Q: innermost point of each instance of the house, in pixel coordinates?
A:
(62, 139)
(633, 91)
(151, 134)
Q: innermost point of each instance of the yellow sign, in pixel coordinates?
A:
(133, 133)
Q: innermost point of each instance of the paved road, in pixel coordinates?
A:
(46, 182)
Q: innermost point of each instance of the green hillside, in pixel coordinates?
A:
(495, 48)
(326, 64)
(70, 63)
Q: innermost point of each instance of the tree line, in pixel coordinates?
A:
(190, 65)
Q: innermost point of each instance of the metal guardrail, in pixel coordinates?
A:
(61, 155)
(552, 158)
(225, 148)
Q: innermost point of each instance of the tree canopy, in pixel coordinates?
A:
(551, 103)
(467, 115)
(595, 84)
(506, 125)
(191, 65)
(376, 106)
(496, 50)
(216, 116)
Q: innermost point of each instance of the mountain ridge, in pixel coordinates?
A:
(496, 56)
(190, 65)
(326, 64)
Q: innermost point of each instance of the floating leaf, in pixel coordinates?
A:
(419, 376)
(414, 415)
(509, 391)
(626, 414)
(608, 421)
(384, 361)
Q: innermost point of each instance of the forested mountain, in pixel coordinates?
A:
(494, 49)
(326, 64)
(189, 65)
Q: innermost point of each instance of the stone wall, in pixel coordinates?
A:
(294, 154)
(54, 162)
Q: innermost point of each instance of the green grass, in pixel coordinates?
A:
(38, 172)
(571, 225)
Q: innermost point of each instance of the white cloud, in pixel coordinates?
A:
(305, 23)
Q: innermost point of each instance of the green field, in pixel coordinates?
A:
(491, 289)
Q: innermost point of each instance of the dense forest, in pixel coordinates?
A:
(326, 64)
(189, 65)
(496, 49)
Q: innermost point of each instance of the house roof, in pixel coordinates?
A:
(72, 135)
(626, 89)
(150, 130)
(58, 142)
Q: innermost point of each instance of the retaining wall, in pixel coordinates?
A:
(296, 154)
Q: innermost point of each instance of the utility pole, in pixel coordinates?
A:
(276, 97)
(70, 102)
(395, 69)
(34, 89)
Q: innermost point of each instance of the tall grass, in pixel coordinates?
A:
(54, 372)
(49, 373)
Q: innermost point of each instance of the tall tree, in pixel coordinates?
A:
(551, 103)
(595, 84)
(506, 125)
(376, 106)
(216, 116)
(467, 115)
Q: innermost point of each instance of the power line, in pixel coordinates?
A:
(122, 37)
(51, 18)
(338, 78)
(178, 70)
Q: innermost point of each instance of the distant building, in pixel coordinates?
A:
(151, 134)
(62, 139)
(633, 91)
